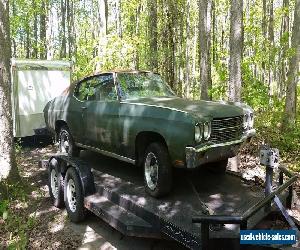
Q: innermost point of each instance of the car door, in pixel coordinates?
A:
(102, 113)
(76, 110)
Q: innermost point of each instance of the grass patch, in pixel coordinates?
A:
(15, 223)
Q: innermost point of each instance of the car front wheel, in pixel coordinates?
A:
(157, 170)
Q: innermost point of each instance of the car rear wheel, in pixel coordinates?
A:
(157, 170)
(74, 198)
(66, 142)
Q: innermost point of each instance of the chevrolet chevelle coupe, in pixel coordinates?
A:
(134, 116)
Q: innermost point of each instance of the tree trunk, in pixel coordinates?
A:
(8, 167)
(27, 44)
(214, 32)
(102, 6)
(152, 27)
(284, 37)
(63, 51)
(271, 41)
(264, 19)
(119, 17)
(14, 44)
(187, 51)
(204, 37)
(264, 32)
(43, 28)
(102, 17)
(289, 117)
(35, 30)
(236, 50)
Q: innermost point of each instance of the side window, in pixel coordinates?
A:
(83, 90)
(97, 88)
(105, 89)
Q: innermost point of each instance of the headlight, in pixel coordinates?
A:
(250, 120)
(245, 121)
(198, 132)
(206, 130)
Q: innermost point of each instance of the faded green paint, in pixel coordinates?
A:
(115, 124)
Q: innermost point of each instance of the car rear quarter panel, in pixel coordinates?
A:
(67, 109)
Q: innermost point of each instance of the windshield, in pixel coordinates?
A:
(142, 84)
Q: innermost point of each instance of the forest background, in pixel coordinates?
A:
(211, 49)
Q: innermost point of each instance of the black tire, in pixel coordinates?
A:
(56, 184)
(218, 167)
(76, 212)
(66, 137)
(158, 153)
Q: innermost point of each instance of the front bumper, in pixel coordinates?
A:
(199, 155)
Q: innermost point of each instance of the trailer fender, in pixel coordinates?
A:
(81, 167)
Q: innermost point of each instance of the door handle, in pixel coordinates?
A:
(83, 108)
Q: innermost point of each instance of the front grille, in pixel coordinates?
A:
(226, 129)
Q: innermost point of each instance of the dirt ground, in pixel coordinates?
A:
(52, 228)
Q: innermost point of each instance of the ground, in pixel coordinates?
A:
(46, 227)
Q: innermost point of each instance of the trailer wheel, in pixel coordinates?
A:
(218, 167)
(56, 184)
(66, 142)
(74, 198)
(157, 170)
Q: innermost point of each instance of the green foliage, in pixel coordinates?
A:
(220, 81)
(15, 225)
(125, 44)
(18, 146)
(254, 92)
(268, 123)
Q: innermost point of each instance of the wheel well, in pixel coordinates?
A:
(142, 141)
(58, 125)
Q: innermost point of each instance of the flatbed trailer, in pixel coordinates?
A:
(202, 206)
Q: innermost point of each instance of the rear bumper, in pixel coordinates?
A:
(196, 156)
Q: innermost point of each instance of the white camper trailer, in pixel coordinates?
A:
(34, 83)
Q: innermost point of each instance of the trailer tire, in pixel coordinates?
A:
(56, 184)
(74, 198)
(66, 142)
(157, 170)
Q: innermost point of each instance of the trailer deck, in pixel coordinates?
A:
(121, 201)
(202, 206)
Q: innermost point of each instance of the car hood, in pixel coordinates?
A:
(199, 108)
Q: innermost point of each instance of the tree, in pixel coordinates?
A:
(63, 51)
(43, 28)
(289, 117)
(8, 169)
(152, 6)
(205, 7)
(236, 50)
(187, 51)
(284, 39)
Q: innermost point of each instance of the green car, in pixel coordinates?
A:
(135, 117)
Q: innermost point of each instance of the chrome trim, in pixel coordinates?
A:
(152, 105)
(199, 149)
(221, 129)
(107, 153)
(226, 119)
